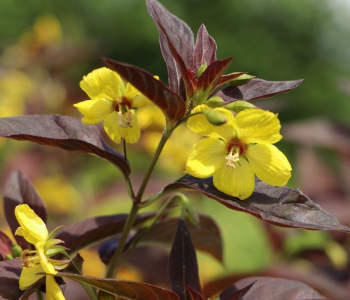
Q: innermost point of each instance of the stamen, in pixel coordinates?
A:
(125, 119)
(28, 258)
(232, 158)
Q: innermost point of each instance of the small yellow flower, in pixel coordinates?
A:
(238, 149)
(111, 102)
(36, 263)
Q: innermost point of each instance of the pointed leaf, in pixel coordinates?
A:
(229, 77)
(5, 245)
(211, 76)
(257, 89)
(18, 190)
(170, 103)
(63, 132)
(281, 206)
(233, 293)
(205, 48)
(180, 36)
(194, 294)
(276, 289)
(124, 289)
(10, 271)
(89, 231)
(205, 237)
(183, 268)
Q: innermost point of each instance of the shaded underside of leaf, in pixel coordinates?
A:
(125, 289)
(183, 267)
(63, 132)
(170, 103)
(89, 231)
(194, 294)
(10, 271)
(205, 48)
(257, 89)
(234, 293)
(5, 245)
(18, 190)
(281, 206)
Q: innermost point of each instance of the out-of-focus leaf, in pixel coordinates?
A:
(183, 268)
(10, 271)
(170, 103)
(276, 289)
(5, 245)
(194, 294)
(75, 264)
(18, 190)
(102, 295)
(233, 293)
(63, 132)
(125, 289)
(32, 289)
(95, 229)
(205, 237)
(205, 48)
(282, 206)
(181, 37)
(257, 89)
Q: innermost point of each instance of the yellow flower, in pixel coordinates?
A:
(238, 149)
(111, 102)
(36, 263)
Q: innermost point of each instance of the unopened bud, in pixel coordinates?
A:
(201, 70)
(214, 117)
(240, 80)
(16, 250)
(9, 257)
(215, 101)
(238, 106)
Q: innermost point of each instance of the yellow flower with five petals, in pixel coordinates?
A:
(112, 102)
(233, 152)
(37, 263)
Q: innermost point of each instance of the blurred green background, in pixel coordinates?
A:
(46, 47)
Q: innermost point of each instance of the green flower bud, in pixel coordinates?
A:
(9, 257)
(240, 80)
(201, 70)
(215, 101)
(214, 117)
(16, 250)
(239, 105)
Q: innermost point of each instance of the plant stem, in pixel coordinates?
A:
(112, 267)
(39, 295)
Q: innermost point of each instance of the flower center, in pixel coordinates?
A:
(125, 119)
(29, 258)
(235, 148)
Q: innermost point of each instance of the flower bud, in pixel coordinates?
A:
(240, 80)
(239, 105)
(9, 257)
(214, 117)
(215, 101)
(201, 70)
(16, 250)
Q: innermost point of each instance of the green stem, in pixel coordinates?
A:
(112, 267)
(88, 289)
(39, 295)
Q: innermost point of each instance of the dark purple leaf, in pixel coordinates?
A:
(180, 36)
(205, 48)
(194, 294)
(170, 103)
(257, 89)
(18, 190)
(281, 206)
(63, 132)
(10, 270)
(276, 289)
(212, 74)
(95, 229)
(232, 293)
(5, 245)
(183, 268)
(229, 77)
(206, 237)
(32, 289)
(125, 289)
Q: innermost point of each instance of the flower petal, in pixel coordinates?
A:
(53, 291)
(136, 98)
(48, 267)
(238, 182)
(269, 164)
(116, 132)
(199, 124)
(33, 229)
(257, 126)
(95, 111)
(206, 157)
(29, 276)
(102, 83)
